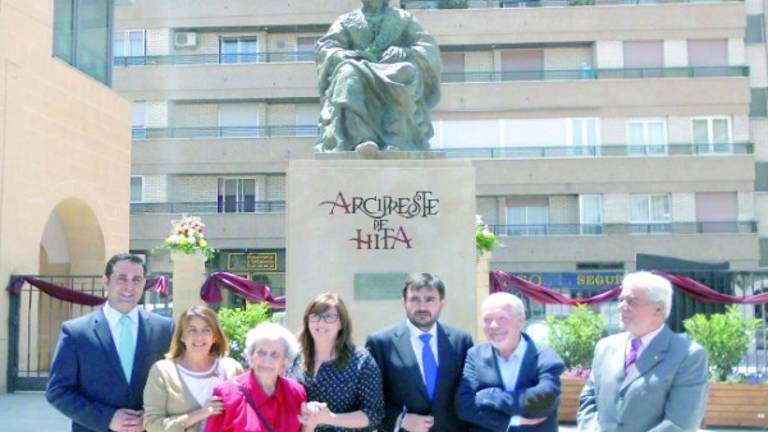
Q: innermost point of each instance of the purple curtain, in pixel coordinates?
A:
(500, 281)
(159, 283)
(246, 288)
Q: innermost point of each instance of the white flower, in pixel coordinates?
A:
(191, 239)
(174, 238)
(478, 219)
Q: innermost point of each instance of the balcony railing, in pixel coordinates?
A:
(226, 132)
(535, 230)
(216, 58)
(588, 73)
(209, 207)
(618, 150)
(486, 4)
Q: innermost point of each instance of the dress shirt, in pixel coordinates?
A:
(417, 344)
(509, 369)
(113, 319)
(647, 339)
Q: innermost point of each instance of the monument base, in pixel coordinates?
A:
(358, 227)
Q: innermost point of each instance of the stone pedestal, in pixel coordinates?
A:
(358, 227)
(188, 278)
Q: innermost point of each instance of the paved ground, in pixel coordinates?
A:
(29, 412)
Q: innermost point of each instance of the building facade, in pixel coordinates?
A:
(600, 129)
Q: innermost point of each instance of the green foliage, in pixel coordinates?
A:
(726, 336)
(485, 240)
(575, 336)
(453, 4)
(236, 322)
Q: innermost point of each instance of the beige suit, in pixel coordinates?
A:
(168, 401)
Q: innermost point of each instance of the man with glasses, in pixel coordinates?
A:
(103, 358)
(421, 361)
(647, 378)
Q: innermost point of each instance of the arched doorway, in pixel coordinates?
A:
(72, 254)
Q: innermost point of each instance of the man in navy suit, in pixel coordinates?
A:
(419, 385)
(103, 358)
(509, 383)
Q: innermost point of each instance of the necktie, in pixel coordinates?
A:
(429, 364)
(125, 348)
(634, 347)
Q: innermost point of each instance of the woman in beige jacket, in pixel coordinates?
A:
(178, 395)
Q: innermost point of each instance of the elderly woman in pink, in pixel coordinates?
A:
(262, 400)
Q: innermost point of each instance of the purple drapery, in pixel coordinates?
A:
(159, 283)
(246, 288)
(541, 294)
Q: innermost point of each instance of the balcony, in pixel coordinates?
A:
(486, 4)
(216, 58)
(223, 230)
(225, 132)
(535, 230)
(587, 73)
(615, 150)
(208, 207)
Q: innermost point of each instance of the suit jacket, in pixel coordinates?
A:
(87, 383)
(403, 383)
(666, 391)
(539, 376)
(167, 399)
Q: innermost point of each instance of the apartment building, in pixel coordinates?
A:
(599, 128)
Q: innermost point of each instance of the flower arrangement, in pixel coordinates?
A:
(188, 237)
(485, 240)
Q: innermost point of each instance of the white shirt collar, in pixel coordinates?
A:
(113, 315)
(415, 331)
(518, 353)
(650, 336)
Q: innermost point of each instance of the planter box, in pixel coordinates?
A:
(737, 405)
(569, 398)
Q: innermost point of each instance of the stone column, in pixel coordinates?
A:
(188, 277)
(483, 289)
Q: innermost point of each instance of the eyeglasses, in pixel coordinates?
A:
(274, 355)
(328, 318)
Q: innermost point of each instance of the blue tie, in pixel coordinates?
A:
(125, 349)
(429, 364)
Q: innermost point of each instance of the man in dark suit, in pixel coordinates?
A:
(103, 358)
(509, 383)
(419, 386)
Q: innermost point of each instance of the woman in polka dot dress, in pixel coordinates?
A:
(343, 382)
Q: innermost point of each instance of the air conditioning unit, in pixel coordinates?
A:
(184, 39)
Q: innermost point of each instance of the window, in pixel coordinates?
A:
(237, 195)
(81, 36)
(522, 64)
(755, 32)
(137, 189)
(527, 217)
(712, 135)
(583, 136)
(238, 49)
(591, 213)
(643, 58)
(306, 119)
(717, 211)
(647, 137)
(138, 119)
(453, 67)
(651, 213)
(305, 47)
(128, 43)
(707, 54)
(238, 120)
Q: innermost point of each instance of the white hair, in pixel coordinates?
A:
(271, 331)
(658, 288)
(503, 299)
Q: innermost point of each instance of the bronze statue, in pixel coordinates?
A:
(379, 77)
